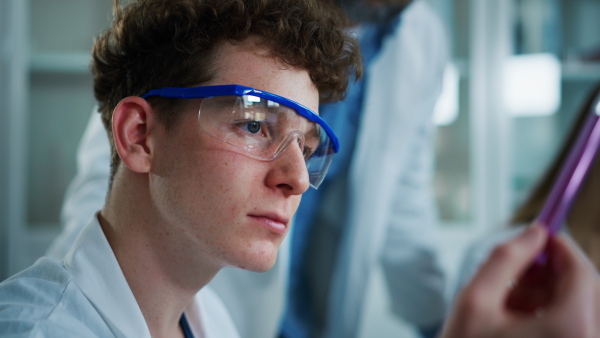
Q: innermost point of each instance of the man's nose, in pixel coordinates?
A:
(288, 171)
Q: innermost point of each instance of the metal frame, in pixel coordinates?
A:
(490, 129)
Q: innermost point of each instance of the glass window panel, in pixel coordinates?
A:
(452, 180)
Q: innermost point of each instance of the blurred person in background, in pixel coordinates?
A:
(375, 205)
(582, 223)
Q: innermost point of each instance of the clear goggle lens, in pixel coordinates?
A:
(264, 129)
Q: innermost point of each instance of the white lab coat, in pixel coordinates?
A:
(392, 210)
(87, 295)
(393, 217)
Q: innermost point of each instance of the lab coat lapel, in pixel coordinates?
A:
(96, 271)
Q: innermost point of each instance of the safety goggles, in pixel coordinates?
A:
(261, 124)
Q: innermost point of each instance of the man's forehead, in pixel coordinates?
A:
(250, 64)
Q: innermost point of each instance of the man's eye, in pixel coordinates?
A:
(310, 146)
(307, 152)
(253, 127)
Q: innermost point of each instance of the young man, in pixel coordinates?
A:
(211, 111)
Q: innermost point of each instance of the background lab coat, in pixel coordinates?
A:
(392, 164)
(392, 168)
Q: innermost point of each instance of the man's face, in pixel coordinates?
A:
(378, 11)
(217, 202)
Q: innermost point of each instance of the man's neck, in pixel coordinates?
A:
(162, 278)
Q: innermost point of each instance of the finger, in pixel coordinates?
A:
(507, 262)
(574, 307)
(575, 275)
(567, 255)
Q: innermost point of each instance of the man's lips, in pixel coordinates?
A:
(275, 221)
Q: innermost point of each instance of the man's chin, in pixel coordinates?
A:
(258, 267)
(258, 262)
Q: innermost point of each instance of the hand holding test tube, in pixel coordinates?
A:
(534, 288)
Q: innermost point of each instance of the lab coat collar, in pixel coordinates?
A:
(97, 273)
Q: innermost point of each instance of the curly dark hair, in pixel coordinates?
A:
(159, 43)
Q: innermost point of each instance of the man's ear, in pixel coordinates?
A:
(132, 121)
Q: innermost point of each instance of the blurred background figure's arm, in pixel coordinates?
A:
(87, 191)
(410, 260)
(410, 251)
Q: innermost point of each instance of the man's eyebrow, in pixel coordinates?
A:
(314, 132)
(287, 113)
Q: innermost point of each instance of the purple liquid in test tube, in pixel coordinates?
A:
(571, 175)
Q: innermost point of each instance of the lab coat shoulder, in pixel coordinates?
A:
(405, 80)
(43, 301)
(87, 295)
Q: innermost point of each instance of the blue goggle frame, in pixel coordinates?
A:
(203, 92)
